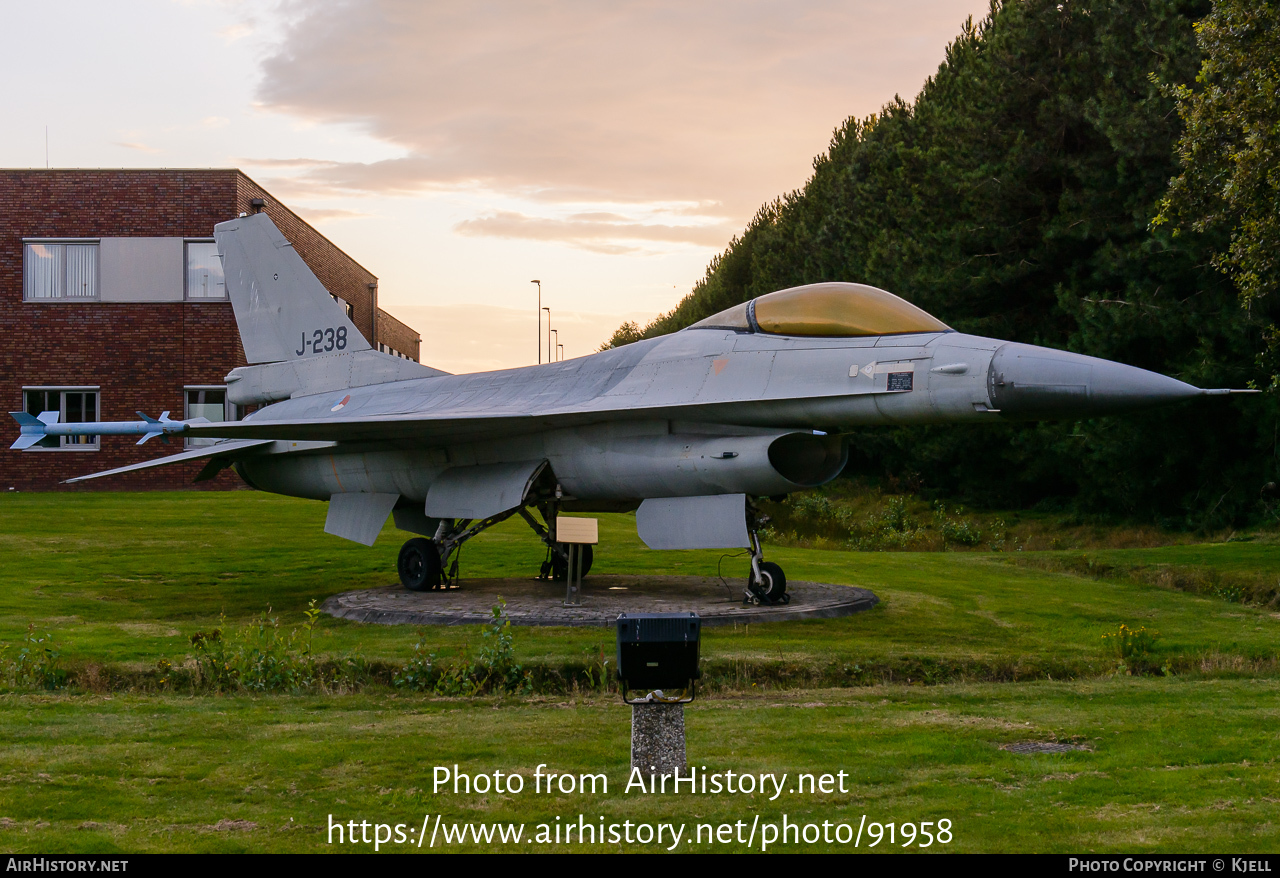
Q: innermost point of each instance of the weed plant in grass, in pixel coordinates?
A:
(260, 657)
(36, 662)
(495, 669)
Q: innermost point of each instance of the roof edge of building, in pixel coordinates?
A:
(115, 170)
(239, 172)
(304, 221)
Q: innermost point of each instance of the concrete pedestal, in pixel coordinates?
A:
(657, 739)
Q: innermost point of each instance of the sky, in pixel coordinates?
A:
(459, 150)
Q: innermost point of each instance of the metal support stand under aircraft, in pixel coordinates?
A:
(556, 566)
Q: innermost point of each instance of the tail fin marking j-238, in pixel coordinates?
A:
(283, 311)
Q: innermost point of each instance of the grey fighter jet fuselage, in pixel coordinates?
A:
(688, 427)
(702, 411)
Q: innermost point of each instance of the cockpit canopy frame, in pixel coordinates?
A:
(826, 310)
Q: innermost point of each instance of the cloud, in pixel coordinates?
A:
(327, 214)
(719, 105)
(286, 163)
(589, 230)
(140, 147)
(237, 31)
(215, 122)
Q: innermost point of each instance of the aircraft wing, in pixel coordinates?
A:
(414, 428)
(420, 428)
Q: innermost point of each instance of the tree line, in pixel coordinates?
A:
(1082, 174)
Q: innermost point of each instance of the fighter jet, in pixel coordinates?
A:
(689, 429)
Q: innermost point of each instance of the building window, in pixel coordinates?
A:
(346, 306)
(388, 349)
(74, 405)
(204, 271)
(60, 270)
(211, 404)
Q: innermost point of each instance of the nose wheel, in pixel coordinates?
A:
(771, 587)
(766, 583)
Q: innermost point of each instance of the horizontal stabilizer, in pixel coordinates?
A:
(214, 466)
(234, 448)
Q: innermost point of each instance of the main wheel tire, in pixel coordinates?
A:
(560, 568)
(419, 565)
(773, 583)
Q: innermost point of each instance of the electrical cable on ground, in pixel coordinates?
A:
(732, 591)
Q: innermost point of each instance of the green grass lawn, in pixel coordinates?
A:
(1174, 766)
(1186, 762)
(127, 578)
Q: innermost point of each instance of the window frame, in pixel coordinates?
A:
(97, 270)
(62, 390)
(186, 276)
(230, 411)
(347, 307)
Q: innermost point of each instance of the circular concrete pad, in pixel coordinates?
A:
(536, 602)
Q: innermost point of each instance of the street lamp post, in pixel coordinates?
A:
(551, 349)
(560, 348)
(539, 313)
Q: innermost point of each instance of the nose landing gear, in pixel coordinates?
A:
(766, 583)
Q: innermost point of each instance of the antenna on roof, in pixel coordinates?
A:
(46, 147)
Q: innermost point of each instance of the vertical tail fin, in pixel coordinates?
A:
(283, 311)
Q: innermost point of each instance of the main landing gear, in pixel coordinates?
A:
(419, 564)
(766, 583)
(431, 564)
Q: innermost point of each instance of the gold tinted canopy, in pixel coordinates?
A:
(827, 310)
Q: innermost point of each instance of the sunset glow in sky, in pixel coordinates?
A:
(458, 150)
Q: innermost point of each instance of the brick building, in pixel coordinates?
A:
(111, 302)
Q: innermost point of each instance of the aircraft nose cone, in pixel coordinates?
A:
(1026, 382)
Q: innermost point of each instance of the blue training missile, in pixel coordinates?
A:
(35, 428)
